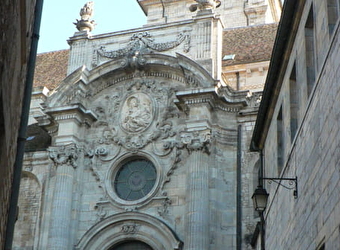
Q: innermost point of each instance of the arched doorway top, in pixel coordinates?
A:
(128, 226)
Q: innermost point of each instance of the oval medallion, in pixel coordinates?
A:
(136, 114)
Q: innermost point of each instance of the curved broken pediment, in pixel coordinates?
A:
(84, 83)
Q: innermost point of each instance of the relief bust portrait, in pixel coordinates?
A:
(136, 113)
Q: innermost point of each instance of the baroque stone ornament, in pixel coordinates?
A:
(134, 121)
(163, 210)
(85, 24)
(130, 228)
(65, 155)
(141, 43)
(197, 140)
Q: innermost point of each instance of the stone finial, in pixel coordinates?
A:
(85, 24)
(205, 5)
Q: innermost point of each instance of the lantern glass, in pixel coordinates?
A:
(260, 198)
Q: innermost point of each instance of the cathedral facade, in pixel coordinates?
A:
(144, 144)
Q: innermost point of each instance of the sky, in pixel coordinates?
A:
(58, 17)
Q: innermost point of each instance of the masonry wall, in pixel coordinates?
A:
(16, 25)
(310, 221)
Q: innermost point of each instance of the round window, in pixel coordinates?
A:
(135, 179)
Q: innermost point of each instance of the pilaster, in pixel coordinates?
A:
(64, 158)
(197, 215)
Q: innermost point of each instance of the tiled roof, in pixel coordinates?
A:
(51, 69)
(249, 44)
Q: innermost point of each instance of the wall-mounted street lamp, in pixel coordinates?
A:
(260, 196)
(260, 199)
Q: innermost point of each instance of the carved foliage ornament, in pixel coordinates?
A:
(65, 155)
(197, 140)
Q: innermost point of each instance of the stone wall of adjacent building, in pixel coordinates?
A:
(16, 26)
(311, 220)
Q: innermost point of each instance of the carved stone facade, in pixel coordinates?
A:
(145, 139)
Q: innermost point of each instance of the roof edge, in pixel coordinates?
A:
(283, 35)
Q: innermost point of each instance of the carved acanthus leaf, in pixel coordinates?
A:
(65, 155)
(197, 140)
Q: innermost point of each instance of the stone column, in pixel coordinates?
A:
(197, 216)
(64, 158)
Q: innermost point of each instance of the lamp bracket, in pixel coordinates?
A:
(291, 182)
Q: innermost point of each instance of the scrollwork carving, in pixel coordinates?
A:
(163, 210)
(130, 228)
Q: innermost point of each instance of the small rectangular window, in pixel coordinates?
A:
(280, 142)
(310, 51)
(294, 103)
(332, 14)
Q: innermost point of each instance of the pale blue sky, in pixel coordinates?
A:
(110, 15)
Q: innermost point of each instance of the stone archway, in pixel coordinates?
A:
(130, 227)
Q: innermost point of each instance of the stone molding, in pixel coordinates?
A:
(221, 98)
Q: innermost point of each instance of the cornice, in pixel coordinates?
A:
(217, 98)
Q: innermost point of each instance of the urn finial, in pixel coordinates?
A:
(85, 24)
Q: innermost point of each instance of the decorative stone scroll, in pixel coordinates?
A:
(197, 140)
(163, 209)
(130, 228)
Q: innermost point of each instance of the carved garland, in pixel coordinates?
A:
(143, 41)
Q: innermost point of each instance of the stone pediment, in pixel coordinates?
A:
(83, 84)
